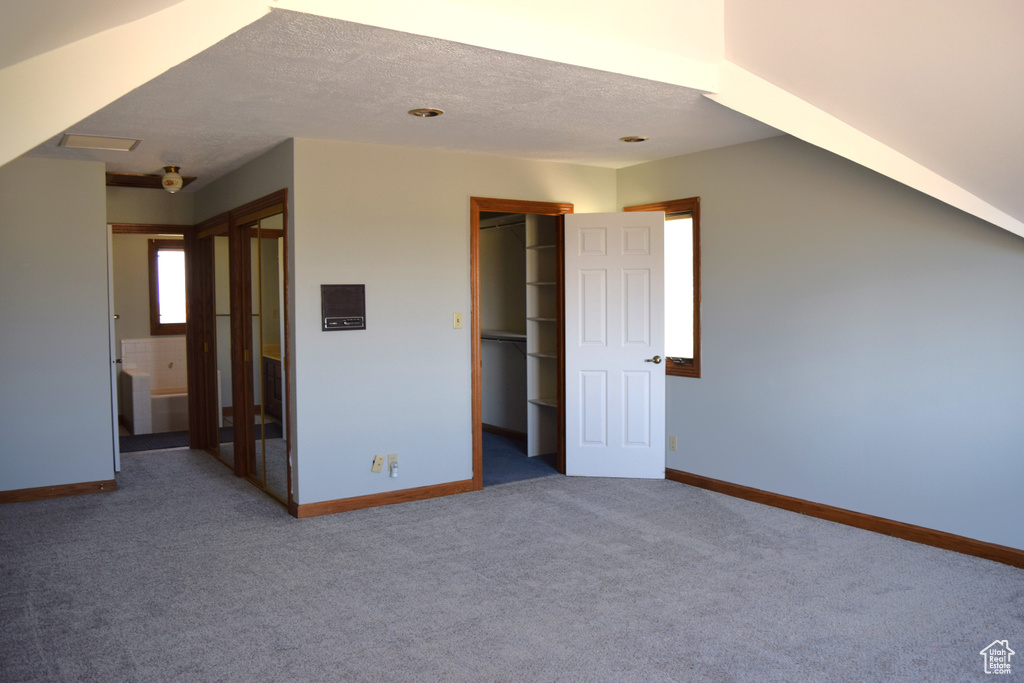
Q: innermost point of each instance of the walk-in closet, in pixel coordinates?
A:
(519, 334)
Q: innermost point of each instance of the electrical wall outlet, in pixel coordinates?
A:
(378, 463)
(457, 321)
(672, 442)
(392, 459)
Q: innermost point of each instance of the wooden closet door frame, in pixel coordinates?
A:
(200, 334)
(202, 368)
(476, 206)
(243, 220)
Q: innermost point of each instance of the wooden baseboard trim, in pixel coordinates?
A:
(881, 525)
(329, 507)
(44, 492)
(502, 431)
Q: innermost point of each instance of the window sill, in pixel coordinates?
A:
(685, 369)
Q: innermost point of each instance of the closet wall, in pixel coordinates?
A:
(503, 316)
(519, 327)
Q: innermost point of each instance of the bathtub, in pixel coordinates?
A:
(169, 410)
(148, 410)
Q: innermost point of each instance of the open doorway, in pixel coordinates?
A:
(518, 339)
(147, 287)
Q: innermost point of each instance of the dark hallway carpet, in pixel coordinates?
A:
(132, 443)
(505, 461)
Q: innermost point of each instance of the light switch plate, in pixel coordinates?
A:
(457, 321)
(672, 442)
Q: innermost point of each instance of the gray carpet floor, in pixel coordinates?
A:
(187, 573)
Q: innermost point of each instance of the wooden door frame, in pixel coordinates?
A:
(200, 334)
(476, 206)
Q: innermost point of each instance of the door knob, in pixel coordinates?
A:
(655, 360)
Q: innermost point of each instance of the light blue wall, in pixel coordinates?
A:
(55, 413)
(270, 172)
(862, 343)
(397, 220)
(144, 205)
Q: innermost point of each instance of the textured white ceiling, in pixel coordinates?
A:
(31, 28)
(298, 75)
(941, 81)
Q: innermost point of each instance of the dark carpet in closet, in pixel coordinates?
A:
(505, 460)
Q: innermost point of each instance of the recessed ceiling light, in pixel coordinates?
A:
(75, 141)
(425, 113)
(634, 138)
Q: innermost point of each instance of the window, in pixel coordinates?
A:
(166, 287)
(682, 284)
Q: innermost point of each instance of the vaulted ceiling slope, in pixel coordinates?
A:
(31, 28)
(939, 82)
(927, 93)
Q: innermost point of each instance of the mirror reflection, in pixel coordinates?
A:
(225, 448)
(244, 368)
(268, 463)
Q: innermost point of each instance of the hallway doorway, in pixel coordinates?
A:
(148, 353)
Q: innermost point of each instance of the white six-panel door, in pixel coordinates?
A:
(614, 345)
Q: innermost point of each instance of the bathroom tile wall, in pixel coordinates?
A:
(162, 358)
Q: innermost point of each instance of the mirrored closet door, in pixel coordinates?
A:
(267, 464)
(241, 342)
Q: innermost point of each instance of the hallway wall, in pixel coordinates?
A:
(55, 410)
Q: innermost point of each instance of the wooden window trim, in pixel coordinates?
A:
(155, 326)
(676, 207)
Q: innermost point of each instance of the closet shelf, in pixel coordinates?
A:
(542, 315)
(547, 402)
(513, 224)
(502, 336)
